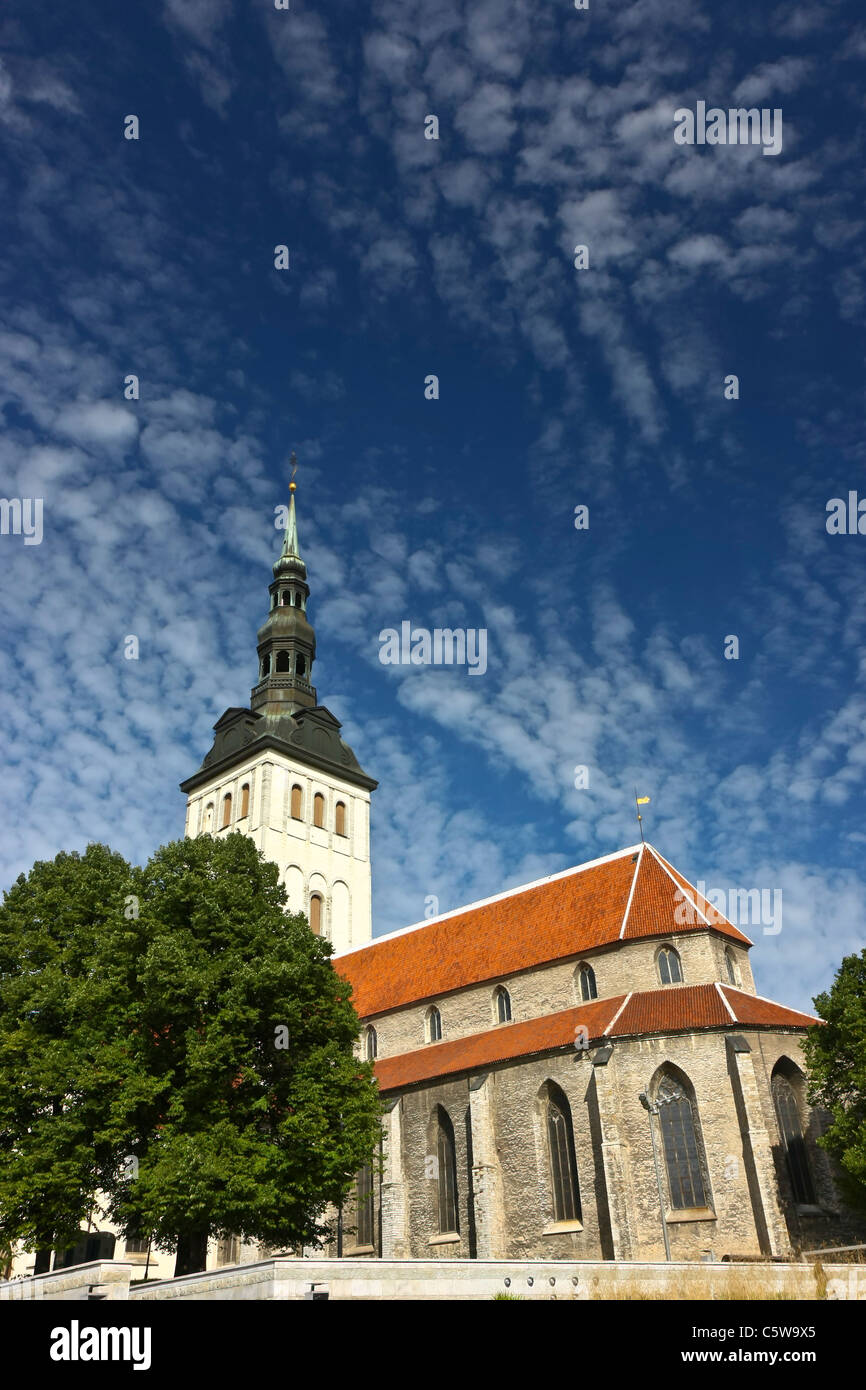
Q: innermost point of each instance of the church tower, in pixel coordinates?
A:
(280, 773)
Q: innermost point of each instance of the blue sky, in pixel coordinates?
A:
(558, 387)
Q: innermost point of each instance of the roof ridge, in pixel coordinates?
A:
(725, 1001)
(637, 869)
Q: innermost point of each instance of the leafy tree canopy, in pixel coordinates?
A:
(193, 1052)
(836, 1057)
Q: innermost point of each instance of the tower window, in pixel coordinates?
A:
(300, 666)
(245, 800)
(316, 914)
(285, 597)
(731, 967)
(227, 810)
(434, 1025)
(670, 969)
(297, 803)
(319, 810)
(266, 664)
(340, 818)
(502, 1004)
(284, 661)
(208, 818)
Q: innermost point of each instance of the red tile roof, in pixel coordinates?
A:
(567, 915)
(671, 1010)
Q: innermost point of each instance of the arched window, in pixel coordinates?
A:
(340, 818)
(434, 1024)
(245, 800)
(502, 1004)
(300, 666)
(365, 1205)
(682, 1145)
(319, 810)
(285, 597)
(297, 803)
(791, 1134)
(371, 1045)
(208, 818)
(586, 981)
(316, 914)
(266, 664)
(284, 661)
(227, 810)
(670, 970)
(731, 966)
(446, 1175)
(563, 1164)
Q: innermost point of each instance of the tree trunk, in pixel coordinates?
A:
(191, 1253)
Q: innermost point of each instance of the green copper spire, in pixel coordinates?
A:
(287, 642)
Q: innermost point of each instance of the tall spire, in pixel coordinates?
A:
(290, 549)
(287, 642)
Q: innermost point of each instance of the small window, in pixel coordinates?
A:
(670, 970)
(284, 661)
(297, 803)
(502, 1004)
(434, 1025)
(245, 800)
(227, 810)
(208, 818)
(731, 966)
(316, 914)
(340, 818)
(137, 1245)
(319, 810)
(588, 987)
(371, 1045)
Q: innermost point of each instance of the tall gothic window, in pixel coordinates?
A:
(297, 803)
(434, 1025)
(316, 914)
(681, 1144)
(227, 810)
(793, 1143)
(446, 1173)
(319, 810)
(340, 818)
(365, 1205)
(371, 1044)
(670, 970)
(588, 988)
(502, 1003)
(245, 800)
(563, 1163)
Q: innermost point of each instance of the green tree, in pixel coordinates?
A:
(836, 1059)
(63, 1012)
(217, 1090)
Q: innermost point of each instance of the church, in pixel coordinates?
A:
(580, 1068)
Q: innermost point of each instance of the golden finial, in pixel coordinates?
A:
(293, 487)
